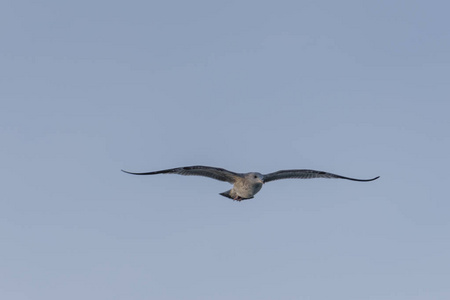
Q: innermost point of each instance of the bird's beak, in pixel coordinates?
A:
(262, 181)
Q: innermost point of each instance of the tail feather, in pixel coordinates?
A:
(232, 195)
(227, 194)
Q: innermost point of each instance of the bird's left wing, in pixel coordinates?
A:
(211, 172)
(306, 174)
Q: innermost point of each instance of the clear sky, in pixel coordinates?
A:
(357, 88)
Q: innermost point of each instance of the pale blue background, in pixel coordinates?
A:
(358, 88)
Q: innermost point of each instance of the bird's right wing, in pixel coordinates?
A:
(211, 172)
(306, 174)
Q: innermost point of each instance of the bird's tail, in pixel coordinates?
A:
(228, 194)
(232, 195)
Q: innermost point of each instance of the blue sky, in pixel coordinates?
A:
(355, 88)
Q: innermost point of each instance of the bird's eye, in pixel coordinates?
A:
(256, 176)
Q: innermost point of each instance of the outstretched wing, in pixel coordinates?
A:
(306, 174)
(211, 172)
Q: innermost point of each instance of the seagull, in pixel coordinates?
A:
(246, 185)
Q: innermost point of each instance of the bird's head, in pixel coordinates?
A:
(255, 177)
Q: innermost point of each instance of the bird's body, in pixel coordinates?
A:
(246, 185)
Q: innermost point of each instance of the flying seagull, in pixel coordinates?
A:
(246, 185)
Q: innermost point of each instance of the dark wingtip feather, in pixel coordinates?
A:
(355, 179)
(372, 179)
(130, 172)
(148, 173)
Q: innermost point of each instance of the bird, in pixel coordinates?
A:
(246, 185)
